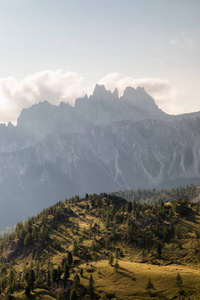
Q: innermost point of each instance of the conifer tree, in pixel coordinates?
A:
(70, 259)
(24, 272)
(27, 239)
(77, 227)
(55, 275)
(11, 282)
(64, 260)
(116, 265)
(91, 286)
(76, 282)
(66, 274)
(48, 279)
(149, 286)
(111, 259)
(27, 290)
(81, 272)
(159, 250)
(59, 273)
(129, 207)
(179, 280)
(73, 295)
(60, 296)
(51, 271)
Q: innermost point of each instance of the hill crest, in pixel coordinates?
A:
(108, 238)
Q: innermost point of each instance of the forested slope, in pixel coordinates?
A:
(83, 247)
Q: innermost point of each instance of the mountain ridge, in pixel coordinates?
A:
(54, 152)
(123, 155)
(101, 108)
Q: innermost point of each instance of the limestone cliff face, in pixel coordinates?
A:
(106, 158)
(102, 144)
(101, 108)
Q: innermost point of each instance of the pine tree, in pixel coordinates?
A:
(116, 265)
(179, 280)
(177, 231)
(70, 259)
(59, 272)
(27, 239)
(37, 269)
(11, 282)
(91, 286)
(107, 221)
(129, 207)
(111, 259)
(27, 290)
(66, 274)
(149, 286)
(93, 246)
(51, 271)
(64, 260)
(73, 295)
(24, 272)
(48, 280)
(159, 250)
(55, 275)
(76, 283)
(32, 278)
(60, 296)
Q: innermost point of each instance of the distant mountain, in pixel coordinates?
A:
(101, 108)
(102, 144)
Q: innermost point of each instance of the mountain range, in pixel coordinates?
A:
(104, 143)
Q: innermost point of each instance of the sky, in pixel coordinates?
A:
(57, 50)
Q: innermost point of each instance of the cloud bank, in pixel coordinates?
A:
(57, 86)
(53, 86)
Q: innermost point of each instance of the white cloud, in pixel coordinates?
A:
(57, 86)
(54, 86)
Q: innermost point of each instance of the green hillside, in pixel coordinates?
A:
(104, 247)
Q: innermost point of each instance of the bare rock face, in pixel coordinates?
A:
(12, 247)
(102, 144)
(101, 108)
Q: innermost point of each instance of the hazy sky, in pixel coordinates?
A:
(57, 50)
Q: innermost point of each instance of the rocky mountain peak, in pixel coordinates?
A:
(116, 94)
(102, 94)
(137, 97)
(103, 143)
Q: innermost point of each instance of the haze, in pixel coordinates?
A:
(58, 50)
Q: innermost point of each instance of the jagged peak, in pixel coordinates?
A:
(115, 94)
(64, 104)
(141, 88)
(101, 93)
(137, 96)
(85, 97)
(129, 90)
(81, 100)
(10, 125)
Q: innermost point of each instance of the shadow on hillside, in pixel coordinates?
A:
(41, 294)
(125, 273)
